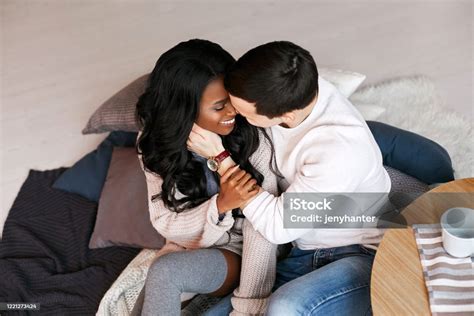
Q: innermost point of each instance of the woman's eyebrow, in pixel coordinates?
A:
(223, 101)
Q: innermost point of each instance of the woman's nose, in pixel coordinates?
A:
(231, 110)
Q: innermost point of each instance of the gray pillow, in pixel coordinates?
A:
(405, 189)
(118, 112)
(122, 217)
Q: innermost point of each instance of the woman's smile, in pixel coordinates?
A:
(230, 122)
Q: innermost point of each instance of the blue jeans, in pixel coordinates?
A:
(329, 281)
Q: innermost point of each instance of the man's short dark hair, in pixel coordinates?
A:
(278, 76)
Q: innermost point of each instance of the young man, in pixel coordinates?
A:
(322, 144)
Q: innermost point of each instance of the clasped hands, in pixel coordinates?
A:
(237, 187)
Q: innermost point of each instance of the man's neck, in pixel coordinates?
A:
(301, 115)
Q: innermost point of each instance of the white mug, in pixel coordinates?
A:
(457, 225)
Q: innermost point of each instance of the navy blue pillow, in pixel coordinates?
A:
(412, 154)
(87, 176)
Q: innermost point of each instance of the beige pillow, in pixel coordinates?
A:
(118, 112)
(122, 217)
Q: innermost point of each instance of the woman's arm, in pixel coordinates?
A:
(257, 274)
(259, 255)
(207, 144)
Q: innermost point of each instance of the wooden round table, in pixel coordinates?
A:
(397, 283)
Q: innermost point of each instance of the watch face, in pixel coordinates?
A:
(212, 164)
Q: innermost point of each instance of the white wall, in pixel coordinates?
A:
(61, 59)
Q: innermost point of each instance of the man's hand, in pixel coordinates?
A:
(204, 143)
(237, 188)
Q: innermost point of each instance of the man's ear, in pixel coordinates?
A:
(288, 117)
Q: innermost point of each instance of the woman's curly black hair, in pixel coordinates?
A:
(166, 112)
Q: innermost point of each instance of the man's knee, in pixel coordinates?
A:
(281, 304)
(353, 301)
(347, 301)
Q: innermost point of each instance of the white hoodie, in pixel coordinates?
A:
(332, 150)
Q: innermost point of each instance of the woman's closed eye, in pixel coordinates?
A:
(220, 105)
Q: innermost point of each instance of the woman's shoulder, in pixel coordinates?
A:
(262, 158)
(265, 141)
(265, 135)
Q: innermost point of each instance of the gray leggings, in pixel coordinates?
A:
(195, 271)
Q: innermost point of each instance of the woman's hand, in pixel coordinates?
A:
(204, 142)
(237, 188)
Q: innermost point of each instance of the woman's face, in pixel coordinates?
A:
(216, 113)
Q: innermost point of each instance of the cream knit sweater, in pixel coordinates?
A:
(197, 228)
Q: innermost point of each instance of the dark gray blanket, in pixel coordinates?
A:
(44, 254)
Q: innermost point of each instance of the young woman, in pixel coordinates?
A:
(188, 204)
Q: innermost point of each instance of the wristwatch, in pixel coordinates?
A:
(213, 163)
